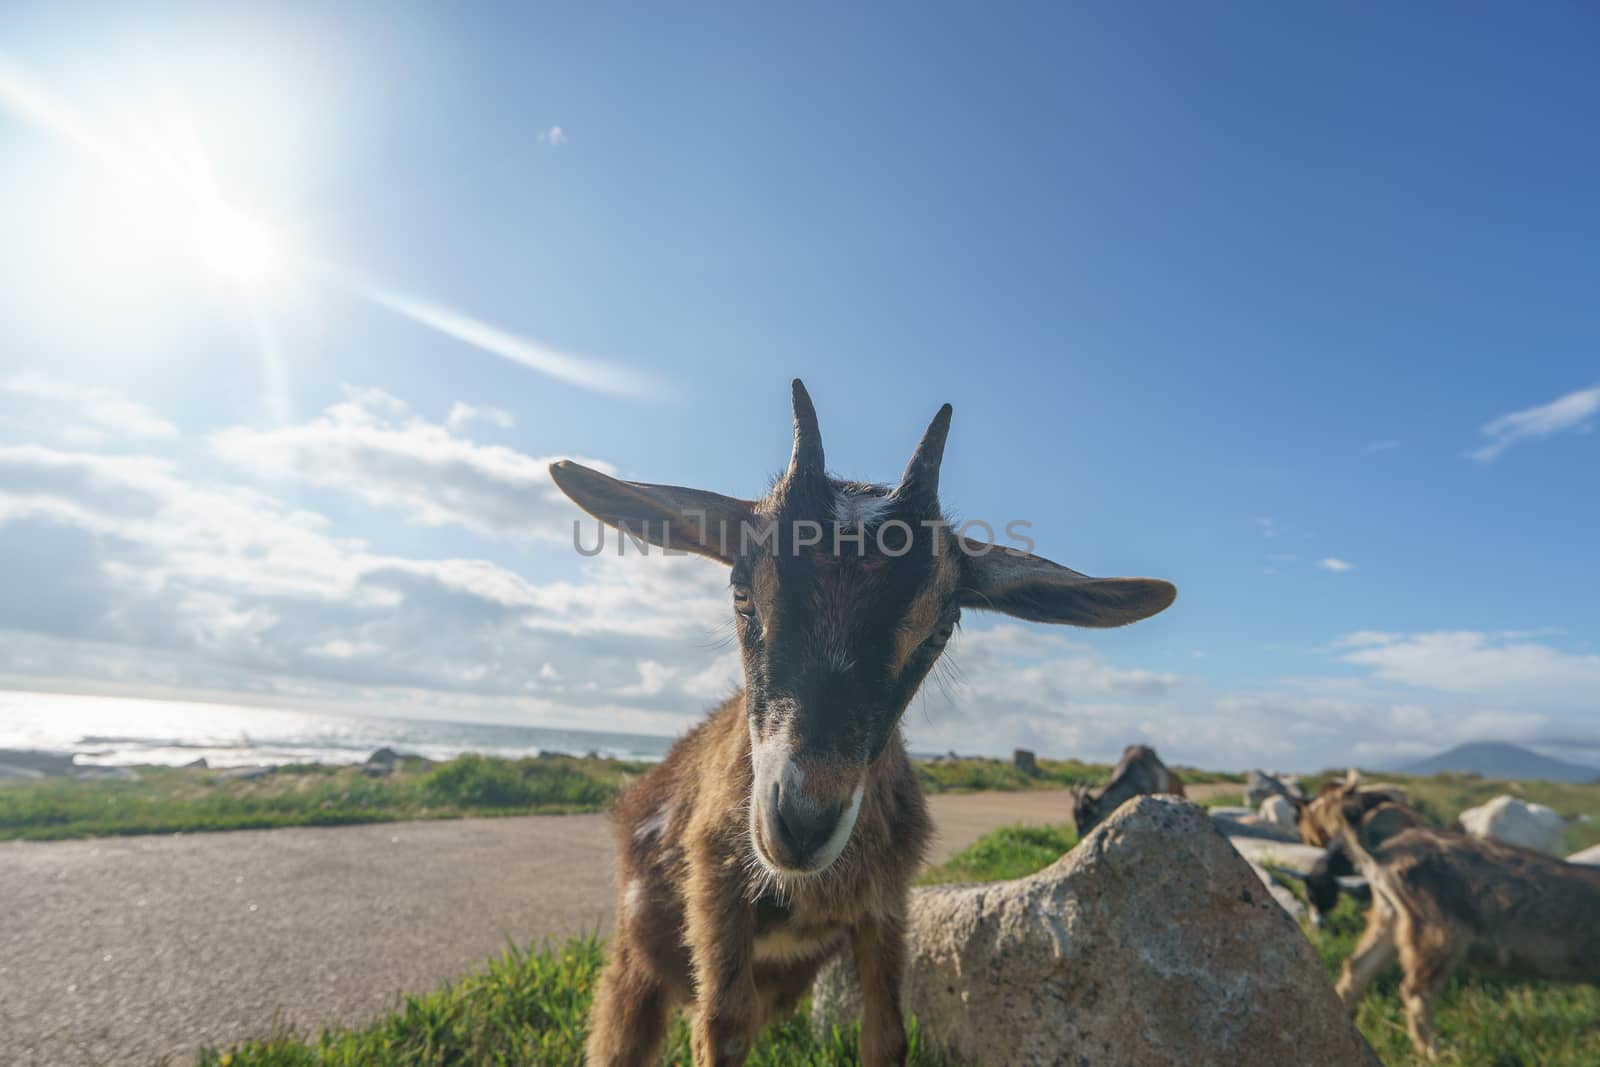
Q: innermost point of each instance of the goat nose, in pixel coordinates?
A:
(803, 825)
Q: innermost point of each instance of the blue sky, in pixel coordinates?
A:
(1295, 308)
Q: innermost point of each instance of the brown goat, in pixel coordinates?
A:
(789, 823)
(1441, 898)
(1140, 771)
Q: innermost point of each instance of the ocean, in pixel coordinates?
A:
(116, 731)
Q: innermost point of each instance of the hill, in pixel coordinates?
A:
(1498, 759)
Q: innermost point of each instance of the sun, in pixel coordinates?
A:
(234, 246)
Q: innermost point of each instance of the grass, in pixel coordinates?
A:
(1009, 852)
(1481, 1021)
(190, 800)
(524, 1008)
(529, 1007)
(178, 799)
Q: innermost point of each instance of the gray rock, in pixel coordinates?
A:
(1279, 812)
(245, 774)
(1025, 762)
(105, 774)
(1151, 942)
(1590, 855)
(198, 764)
(1259, 785)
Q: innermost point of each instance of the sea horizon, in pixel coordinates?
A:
(114, 731)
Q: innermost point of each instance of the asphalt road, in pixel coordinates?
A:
(127, 950)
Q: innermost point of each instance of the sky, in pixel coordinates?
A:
(1295, 307)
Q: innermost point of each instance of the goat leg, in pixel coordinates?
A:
(880, 951)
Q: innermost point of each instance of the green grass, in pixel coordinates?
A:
(1481, 1021)
(1009, 852)
(173, 799)
(524, 1008)
(968, 774)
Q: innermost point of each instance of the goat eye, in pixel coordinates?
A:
(742, 603)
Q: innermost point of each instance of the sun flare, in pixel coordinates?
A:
(235, 246)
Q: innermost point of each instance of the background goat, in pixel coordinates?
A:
(1444, 897)
(1139, 771)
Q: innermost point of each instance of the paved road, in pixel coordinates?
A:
(125, 950)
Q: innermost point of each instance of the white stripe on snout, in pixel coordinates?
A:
(841, 833)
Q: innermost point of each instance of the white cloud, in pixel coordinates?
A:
(463, 415)
(117, 569)
(372, 446)
(122, 573)
(1335, 564)
(1382, 446)
(555, 137)
(78, 415)
(1570, 412)
(1490, 667)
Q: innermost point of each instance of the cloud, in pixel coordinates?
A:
(78, 415)
(555, 137)
(127, 573)
(463, 415)
(1336, 565)
(372, 446)
(119, 570)
(1382, 446)
(1494, 668)
(1570, 412)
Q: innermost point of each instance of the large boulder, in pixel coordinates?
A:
(1516, 822)
(1151, 942)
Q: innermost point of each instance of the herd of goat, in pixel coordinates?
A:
(1485, 893)
(788, 825)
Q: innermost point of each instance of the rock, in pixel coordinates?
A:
(244, 774)
(1590, 855)
(1279, 812)
(31, 763)
(1286, 898)
(1151, 942)
(199, 764)
(1025, 762)
(1237, 822)
(385, 756)
(1517, 822)
(1259, 785)
(105, 774)
(1291, 856)
(377, 770)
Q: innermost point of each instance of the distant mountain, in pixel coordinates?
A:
(1497, 759)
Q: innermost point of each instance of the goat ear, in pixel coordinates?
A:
(689, 520)
(995, 578)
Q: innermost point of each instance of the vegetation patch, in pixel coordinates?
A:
(186, 800)
(525, 1008)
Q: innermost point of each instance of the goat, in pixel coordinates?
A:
(1444, 897)
(788, 824)
(1139, 771)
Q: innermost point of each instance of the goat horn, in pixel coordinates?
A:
(920, 482)
(807, 456)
